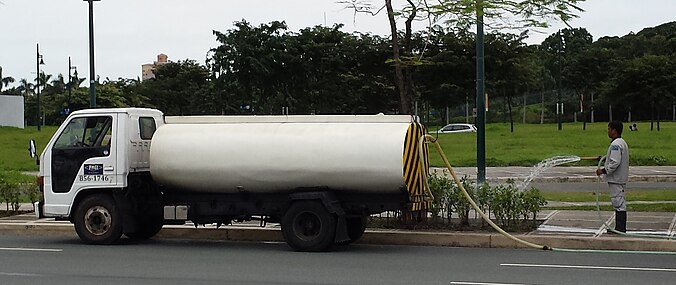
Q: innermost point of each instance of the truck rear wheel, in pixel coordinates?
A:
(97, 220)
(308, 226)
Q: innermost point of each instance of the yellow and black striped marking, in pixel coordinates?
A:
(416, 169)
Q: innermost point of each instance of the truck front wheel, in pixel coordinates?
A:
(97, 220)
(308, 226)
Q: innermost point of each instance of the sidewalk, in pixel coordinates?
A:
(561, 229)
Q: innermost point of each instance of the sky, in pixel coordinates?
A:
(129, 33)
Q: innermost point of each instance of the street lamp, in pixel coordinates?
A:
(70, 67)
(92, 75)
(38, 62)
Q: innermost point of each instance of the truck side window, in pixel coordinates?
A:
(85, 132)
(147, 127)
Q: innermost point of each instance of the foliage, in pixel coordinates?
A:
(9, 194)
(509, 206)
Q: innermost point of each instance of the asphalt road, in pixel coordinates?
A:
(62, 260)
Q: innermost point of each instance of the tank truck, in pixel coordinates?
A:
(129, 171)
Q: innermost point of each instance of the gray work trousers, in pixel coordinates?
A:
(617, 196)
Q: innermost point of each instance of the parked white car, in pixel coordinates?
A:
(458, 128)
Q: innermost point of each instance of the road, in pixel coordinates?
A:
(64, 260)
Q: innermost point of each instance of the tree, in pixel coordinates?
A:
(5, 81)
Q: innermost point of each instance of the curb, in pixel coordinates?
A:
(378, 237)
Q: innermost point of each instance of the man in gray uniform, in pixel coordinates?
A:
(616, 169)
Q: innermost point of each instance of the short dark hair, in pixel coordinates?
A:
(616, 125)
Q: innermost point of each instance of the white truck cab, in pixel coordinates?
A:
(95, 149)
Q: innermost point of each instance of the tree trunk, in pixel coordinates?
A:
(509, 108)
(542, 107)
(405, 101)
(652, 114)
(524, 108)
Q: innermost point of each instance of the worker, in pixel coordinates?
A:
(616, 170)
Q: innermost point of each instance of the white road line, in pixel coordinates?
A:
(481, 283)
(590, 267)
(20, 274)
(672, 227)
(31, 249)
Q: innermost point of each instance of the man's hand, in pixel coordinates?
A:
(599, 171)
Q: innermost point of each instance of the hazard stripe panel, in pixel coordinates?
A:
(416, 169)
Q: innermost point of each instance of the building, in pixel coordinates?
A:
(12, 111)
(147, 70)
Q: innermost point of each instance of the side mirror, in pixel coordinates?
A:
(33, 151)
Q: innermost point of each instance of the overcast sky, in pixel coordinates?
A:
(129, 33)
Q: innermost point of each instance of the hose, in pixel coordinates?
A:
(486, 218)
(474, 205)
(598, 210)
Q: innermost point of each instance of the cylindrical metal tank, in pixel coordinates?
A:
(265, 154)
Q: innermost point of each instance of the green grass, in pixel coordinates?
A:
(531, 143)
(14, 147)
(663, 207)
(528, 145)
(642, 195)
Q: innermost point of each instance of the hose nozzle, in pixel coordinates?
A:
(591, 158)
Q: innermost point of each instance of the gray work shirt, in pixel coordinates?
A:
(617, 162)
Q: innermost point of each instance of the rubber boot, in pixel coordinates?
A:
(621, 221)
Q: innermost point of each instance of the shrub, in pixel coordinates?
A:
(441, 189)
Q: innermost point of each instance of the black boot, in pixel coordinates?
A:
(621, 221)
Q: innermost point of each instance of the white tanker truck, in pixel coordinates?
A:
(129, 171)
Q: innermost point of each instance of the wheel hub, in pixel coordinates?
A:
(307, 225)
(97, 220)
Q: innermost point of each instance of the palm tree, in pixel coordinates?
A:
(25, 87)
(5, 81)
(44, 79)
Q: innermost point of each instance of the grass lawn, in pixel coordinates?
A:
(14, 147)
(663, 207)
(642, 195)
(531, 143)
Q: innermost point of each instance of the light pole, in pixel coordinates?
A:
(38, 62)
(92, 74)
(480, 97)
(559, 104)
(70, 67)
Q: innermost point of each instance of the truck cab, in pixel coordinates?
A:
(95, 150)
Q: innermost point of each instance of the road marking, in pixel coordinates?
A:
(31, 249)
(482, 283)
(589, 267)
(20, 274)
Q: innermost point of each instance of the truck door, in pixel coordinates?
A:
(84, 154)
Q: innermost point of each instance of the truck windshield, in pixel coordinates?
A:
(86, 132)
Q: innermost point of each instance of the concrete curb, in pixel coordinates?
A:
(379, 237)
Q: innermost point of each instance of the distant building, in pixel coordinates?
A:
(12, 111)
(147, 70)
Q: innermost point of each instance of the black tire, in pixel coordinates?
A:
(97, 220)
(147, 228)
(356, 227)
(308, 226)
